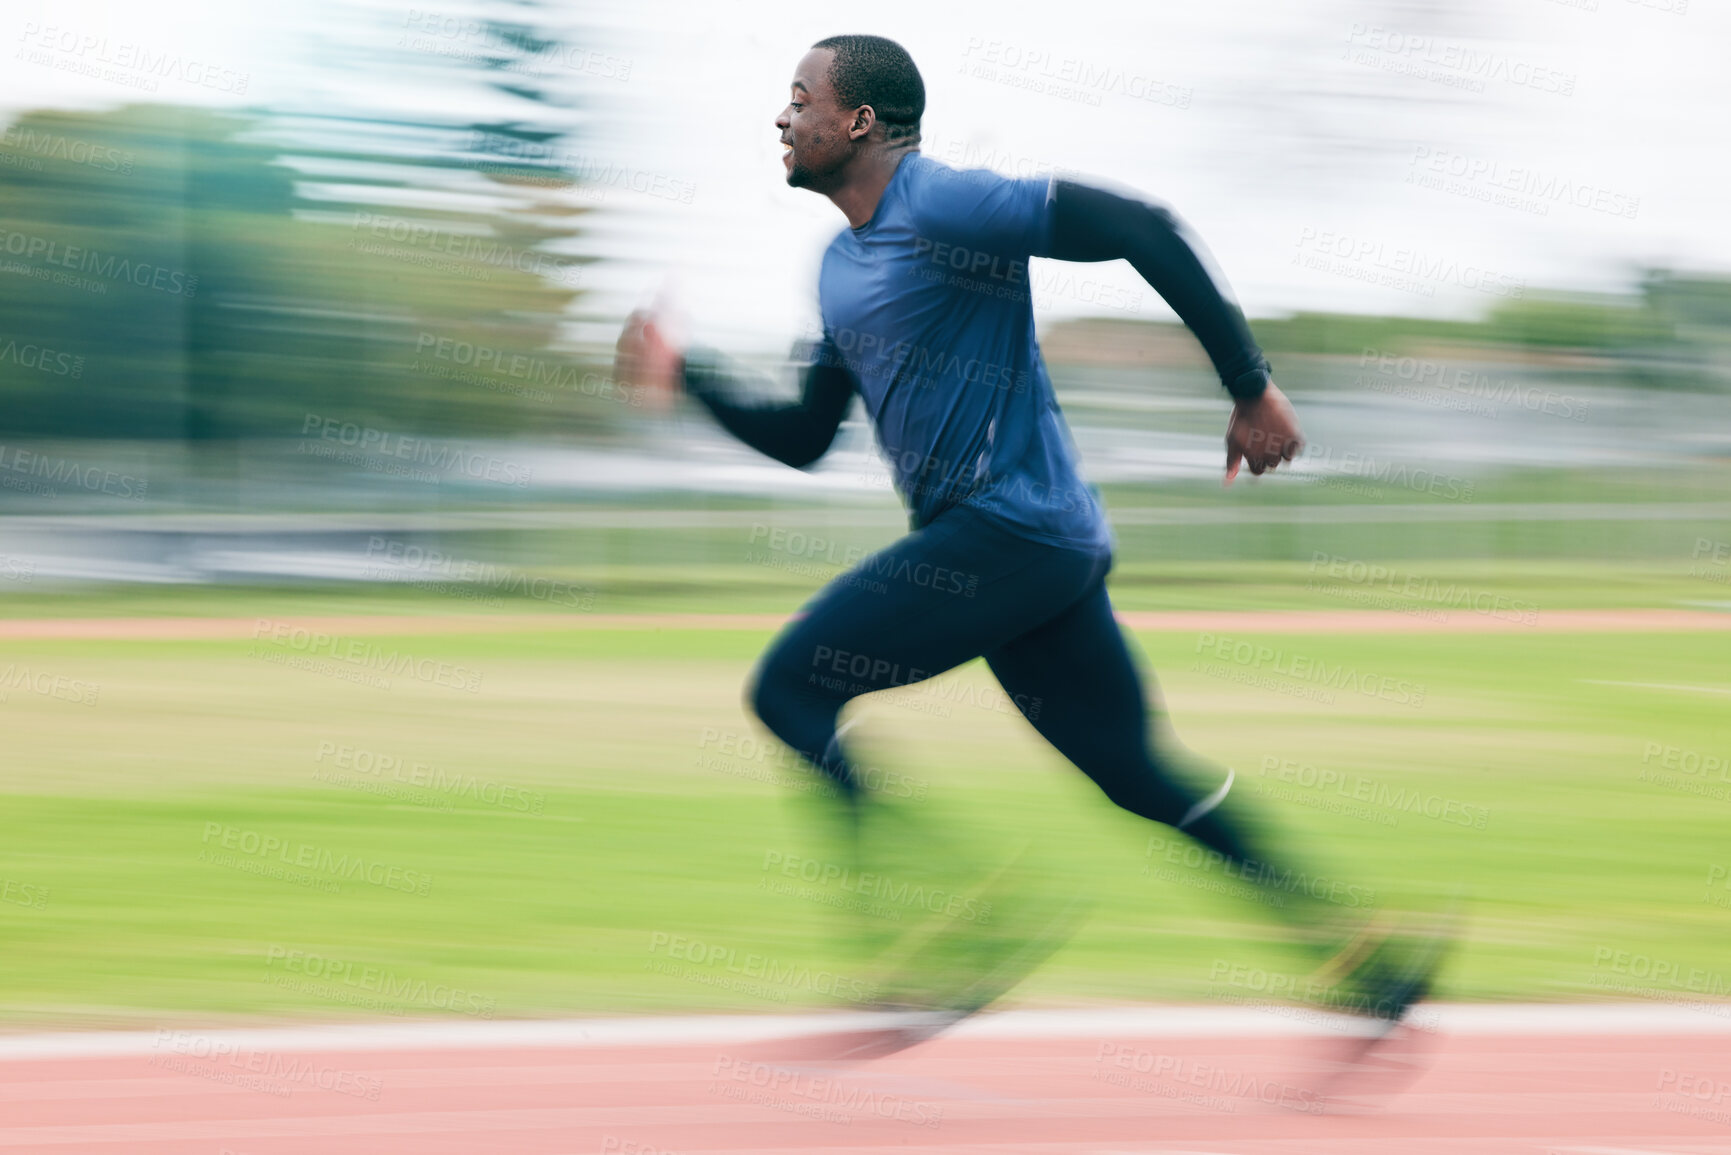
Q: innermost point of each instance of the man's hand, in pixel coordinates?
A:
(647, 361)
(1262, 433)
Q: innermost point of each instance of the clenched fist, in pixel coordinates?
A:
(648, 361)
(1262, 433)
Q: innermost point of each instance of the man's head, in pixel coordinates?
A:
(850, 94)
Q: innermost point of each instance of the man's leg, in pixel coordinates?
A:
(1092, 709)
(940, 597)
(937, 598)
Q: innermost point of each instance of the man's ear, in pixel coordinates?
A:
(863, 118)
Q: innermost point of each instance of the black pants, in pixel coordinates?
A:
(960, 588)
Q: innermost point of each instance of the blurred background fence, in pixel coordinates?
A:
(246, 338)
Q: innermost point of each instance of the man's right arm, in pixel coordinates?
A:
(795, 433)
(1092, 224)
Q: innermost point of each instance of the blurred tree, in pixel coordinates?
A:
(219, 276)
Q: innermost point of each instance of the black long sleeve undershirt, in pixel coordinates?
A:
(1091, 224)
(1088, 224)
(795, 433)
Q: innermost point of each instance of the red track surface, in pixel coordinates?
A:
(1486, 1092)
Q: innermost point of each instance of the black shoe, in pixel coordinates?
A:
(1380, 976)
(949, 969)
(961, 965)
(1385, 969)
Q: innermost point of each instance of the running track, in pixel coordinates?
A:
(1600, 1080)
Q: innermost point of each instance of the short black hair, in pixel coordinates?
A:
(879, 72)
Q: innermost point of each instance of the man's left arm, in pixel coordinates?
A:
(1091, 224)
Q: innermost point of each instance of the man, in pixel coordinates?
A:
(927, 318)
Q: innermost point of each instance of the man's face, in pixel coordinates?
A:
(818, 132)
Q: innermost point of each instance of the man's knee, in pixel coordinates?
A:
(765, 694)
(801, 716)
(778, 696)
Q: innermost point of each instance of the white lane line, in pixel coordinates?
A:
(1196, 1022)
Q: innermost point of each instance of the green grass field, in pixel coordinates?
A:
(581, 806)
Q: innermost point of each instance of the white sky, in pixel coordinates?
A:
(1284, 137)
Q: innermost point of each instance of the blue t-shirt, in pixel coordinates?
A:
(928, 305)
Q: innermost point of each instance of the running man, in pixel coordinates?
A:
(928, 318)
